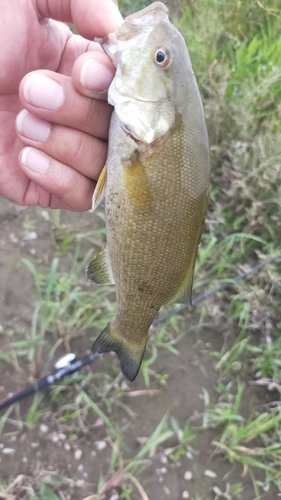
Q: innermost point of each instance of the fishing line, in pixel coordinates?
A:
(68, 365)
(208, 294)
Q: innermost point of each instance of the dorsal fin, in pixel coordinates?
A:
(186, 296)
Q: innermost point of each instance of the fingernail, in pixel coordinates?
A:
(35, 160)
(115, 14)
(95, 76)
(32, 127)
(43, 92)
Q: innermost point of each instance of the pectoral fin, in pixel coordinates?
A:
(99, 189)
(99, 270)
(136, 183)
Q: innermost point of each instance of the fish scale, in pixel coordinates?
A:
(155, 182)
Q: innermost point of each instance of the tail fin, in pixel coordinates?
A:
(130, 356)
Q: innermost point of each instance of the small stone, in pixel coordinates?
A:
(98, 423)
(163, 459)
(114, 496)
(217, 491)
(45, 215)
(34, 445)
(13, 238)
(80, 483)
(78, 454)
(185, 494)
(67, 447)
(168, 451)
(8, 451)
(93, 454)
(189, 455)
(161, 479)
(80, 468)
(210, 473)
(100, 445)
(54, 437)
(188, 475)
(62, 437)
(30, 235)
(161, 471)
(141, 440)
(32, 251)
(180, 434)
(44, 428)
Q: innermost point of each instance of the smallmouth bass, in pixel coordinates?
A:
(155, 181)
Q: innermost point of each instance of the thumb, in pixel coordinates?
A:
(91, 18)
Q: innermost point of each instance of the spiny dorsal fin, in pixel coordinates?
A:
(99, 270)
(99, 189)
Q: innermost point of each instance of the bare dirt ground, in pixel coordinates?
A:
(80, 454)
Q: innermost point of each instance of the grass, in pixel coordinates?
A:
(236, 53)
(252, 442)
(62, 307)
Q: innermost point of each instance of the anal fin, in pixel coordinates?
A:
(99, 270)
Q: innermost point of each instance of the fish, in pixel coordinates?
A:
(155, 182)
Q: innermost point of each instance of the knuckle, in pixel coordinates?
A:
(78, 150)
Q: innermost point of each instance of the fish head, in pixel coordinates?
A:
(149, 86)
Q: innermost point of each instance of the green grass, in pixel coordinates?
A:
(63, 308)
(252, 442)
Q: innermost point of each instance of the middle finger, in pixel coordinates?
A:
(52, 97)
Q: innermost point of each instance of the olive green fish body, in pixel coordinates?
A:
(156, 184)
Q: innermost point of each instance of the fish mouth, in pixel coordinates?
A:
(154, 9)
(139, 24)
(127, 97)
(145, 19)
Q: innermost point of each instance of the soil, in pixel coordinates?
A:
(50, 447)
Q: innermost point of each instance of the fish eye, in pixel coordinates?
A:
(162, 57)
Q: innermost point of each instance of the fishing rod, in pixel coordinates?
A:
(66, 366)
(69, 365)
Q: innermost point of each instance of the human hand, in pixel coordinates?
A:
(64, 128)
